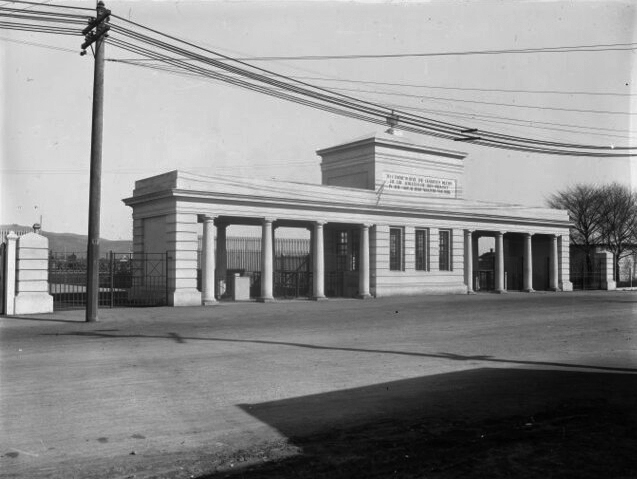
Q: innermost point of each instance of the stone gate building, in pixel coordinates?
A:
(389, 217)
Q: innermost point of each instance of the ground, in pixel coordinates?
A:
(518, 385)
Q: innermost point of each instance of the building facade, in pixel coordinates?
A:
(388, 219)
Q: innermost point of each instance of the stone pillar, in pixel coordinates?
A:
(318, 265)
(553, 273)
(468, 260)
(222, 259)
(267, 261)
(181, 243)
(363, 267)
(607, 266)
(527, 269)
(208, 262)
(32, 275)
(9, 273)
(564, 268)
(499, 262)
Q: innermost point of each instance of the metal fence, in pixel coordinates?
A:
(292, 276)
(5, 232)
(582, 280)
(124, 280)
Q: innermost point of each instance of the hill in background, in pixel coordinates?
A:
(74, 243)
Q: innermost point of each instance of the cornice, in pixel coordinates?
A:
(397, 143)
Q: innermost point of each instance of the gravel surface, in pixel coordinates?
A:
(516, 385)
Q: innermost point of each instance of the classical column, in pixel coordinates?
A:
(468, 260)
(318, 273)
(208, 262)
(9, 273)
(553, 273)
(499, 262)
(267, 261)
(363, 266)
(527, 268)
(222, 259)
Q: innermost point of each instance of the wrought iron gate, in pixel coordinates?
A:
(292, 276)
(125, 280)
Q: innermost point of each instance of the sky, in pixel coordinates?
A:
(157, 121)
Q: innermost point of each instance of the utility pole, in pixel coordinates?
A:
(98, 37)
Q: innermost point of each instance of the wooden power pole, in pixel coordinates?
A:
(95, 33)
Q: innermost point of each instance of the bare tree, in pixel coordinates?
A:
(618, 227)
(584, 204)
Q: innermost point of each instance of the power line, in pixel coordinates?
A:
(562, 49)
(413, 85)
(171, 59)
(463, 115)
(41, 45)
(509, 105)
(239, 73)
(408, 121)
(497, 90)
(46, 4)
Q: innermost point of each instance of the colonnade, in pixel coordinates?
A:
(216, 265)
(527, 265)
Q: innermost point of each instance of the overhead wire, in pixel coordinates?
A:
(499, 138)
(245, 75)
(562, 49)
(466, 116)
(404, 118)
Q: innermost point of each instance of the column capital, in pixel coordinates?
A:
(468, 231)
(500, 233)
(268, 219)
(526, 233)
(319, 222)
(366, 225)
(202, 218)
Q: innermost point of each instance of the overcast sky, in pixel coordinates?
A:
(158, 121)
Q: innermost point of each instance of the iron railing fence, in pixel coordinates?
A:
(124, 280)
(244, 252)
(583, 280)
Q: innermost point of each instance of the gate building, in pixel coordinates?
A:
(388, 219)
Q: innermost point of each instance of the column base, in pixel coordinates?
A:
(266, 300)
(529, 290)
(319, 298)
(209, 302)
(500, 291)
(33, 303)
(185, 297)
(364, 296)
(566, 286)
(470, 291)
(609, 285)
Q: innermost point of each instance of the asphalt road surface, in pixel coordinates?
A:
(283, 389)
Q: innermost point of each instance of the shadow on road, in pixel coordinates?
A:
(492, 423)
(440, 355)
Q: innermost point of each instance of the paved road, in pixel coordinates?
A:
(174, 384)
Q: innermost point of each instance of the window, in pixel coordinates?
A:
(422, 250)
(347, 250)
(444, 250)
(396, 249)
(342, 243)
